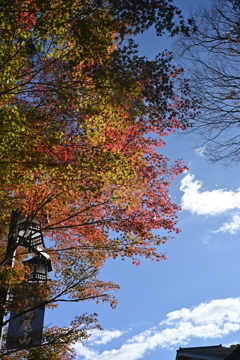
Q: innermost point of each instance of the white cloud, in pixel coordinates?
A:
(85, 351)
(217, 311)
(104, 336)
(213, 202)
(232, 226)
(97, 337)
(208, 320)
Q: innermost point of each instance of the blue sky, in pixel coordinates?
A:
(192, 298)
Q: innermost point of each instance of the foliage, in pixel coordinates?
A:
(82, 121)
(57, 342)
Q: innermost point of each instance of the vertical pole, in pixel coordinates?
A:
(10, 262)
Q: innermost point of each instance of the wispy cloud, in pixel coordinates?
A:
(232, 226)
(213, 202)
(205, 238)
(200, 151)
(208, 320)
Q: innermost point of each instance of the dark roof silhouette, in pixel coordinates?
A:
(218, 352)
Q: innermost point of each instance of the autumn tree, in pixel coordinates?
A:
(83, 116)
(213, 49)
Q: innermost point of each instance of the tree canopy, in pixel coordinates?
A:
(82, 121)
